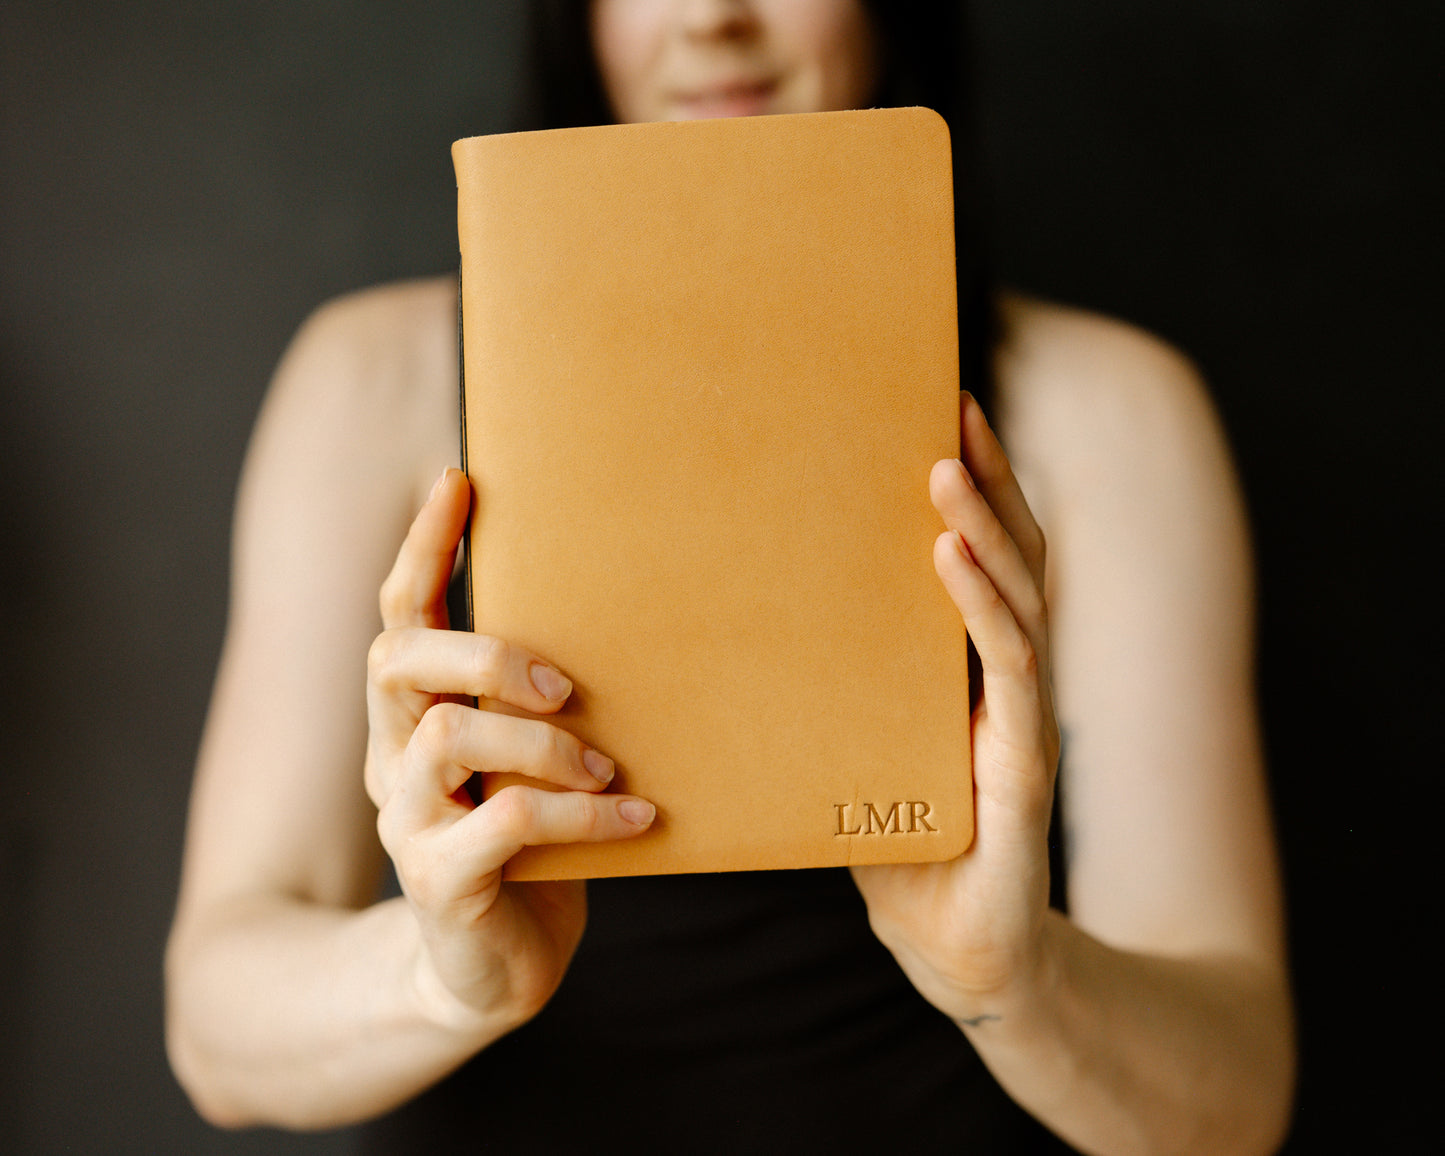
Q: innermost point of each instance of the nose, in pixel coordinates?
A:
(718, 19)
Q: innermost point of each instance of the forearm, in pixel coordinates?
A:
(303, 1016)
(1124, 1053)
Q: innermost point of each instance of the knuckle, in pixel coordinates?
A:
(991, 602)
(588, 816)
(995, 539)
(373, 780)
(489, 658)
(394, 598)
(578, 817)
(441, 730)
(1030, 539)
(421, 883)
(513, 812)
(1025, 657)
(1040, 543)
(1028, 782)
(1032, 610)
(389, 658)
(1053, 745)
(379, 655)
(534, 747)
(390, 831)
(1041, 612)
(556, 748)
(538, 746)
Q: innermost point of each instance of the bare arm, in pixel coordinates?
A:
(1156, 1018)
(291, 997)
(281, 854)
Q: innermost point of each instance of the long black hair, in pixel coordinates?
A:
(924, 55)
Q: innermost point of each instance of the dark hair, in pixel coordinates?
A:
(923, 56)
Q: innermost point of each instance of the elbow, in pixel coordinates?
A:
(1265, 1096)
(198, 1082)
(1256, 1122)
(199, 1077)
(1275, 1115)
(231, 1077)
(1240, 1102)
(1265, 1131)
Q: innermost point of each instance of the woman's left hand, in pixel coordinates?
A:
(969, 930)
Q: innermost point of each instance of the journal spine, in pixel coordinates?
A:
(462, 425)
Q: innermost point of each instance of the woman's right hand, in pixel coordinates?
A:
(492, 953)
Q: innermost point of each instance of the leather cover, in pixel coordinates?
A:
(707, 369)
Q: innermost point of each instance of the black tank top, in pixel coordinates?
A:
(749, 1013)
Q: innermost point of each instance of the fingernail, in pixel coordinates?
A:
(550, 683)
(437, 485)
(967, 477)
(599, 766)
(637, 812)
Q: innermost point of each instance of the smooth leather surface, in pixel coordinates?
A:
(708, 367)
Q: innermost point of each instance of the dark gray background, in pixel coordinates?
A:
(181, 183)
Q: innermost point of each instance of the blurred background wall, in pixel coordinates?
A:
(181, 183)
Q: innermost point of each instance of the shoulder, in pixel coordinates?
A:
(1078, 384)
(1099, 414)
(373, 373)
(408, 312)
(386, 337)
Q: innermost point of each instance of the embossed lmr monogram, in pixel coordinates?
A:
(899, 819)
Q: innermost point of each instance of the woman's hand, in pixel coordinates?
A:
(492, 952)
(965, 930)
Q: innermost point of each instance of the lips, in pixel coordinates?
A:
(733, 98)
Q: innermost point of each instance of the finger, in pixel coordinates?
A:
(1014, 686)
(408, 666)
(415, 592)
(1017, 745)
(964, 509)
(452, 742)
(989, 466)
(519, 816)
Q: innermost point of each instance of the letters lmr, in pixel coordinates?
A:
(899, 819)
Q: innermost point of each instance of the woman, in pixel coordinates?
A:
(761, 1011)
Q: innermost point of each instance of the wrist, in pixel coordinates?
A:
(441, 1009)
(1025, 988)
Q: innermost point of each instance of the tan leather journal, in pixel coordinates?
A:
(707, 368)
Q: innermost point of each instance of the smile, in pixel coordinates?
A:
(747, 98)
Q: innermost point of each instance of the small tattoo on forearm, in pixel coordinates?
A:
(976, 1020)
